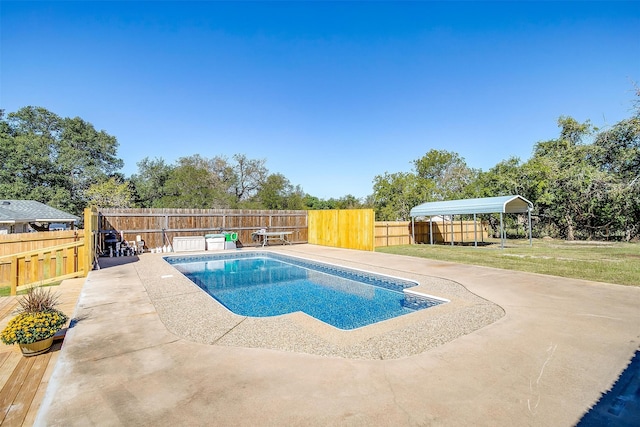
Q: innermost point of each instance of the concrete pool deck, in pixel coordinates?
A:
(556, 345)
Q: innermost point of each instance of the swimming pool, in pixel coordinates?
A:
(262, 284)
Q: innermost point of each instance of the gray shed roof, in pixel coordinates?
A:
(12, 211)
(10, 217)
(501, 204)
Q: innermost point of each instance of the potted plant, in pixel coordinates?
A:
(36, 322)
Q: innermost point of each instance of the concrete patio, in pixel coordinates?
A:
(556, 346)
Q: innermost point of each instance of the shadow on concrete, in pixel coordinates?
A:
(106, 262)
(620, 406)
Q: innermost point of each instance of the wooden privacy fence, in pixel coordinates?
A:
(158, 227)
(392, 233)
(349, 228)
(41, 258)
(24, 242)
(448, 232)
(43, 266)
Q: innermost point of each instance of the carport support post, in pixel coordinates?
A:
(475, 231)
(530, 238)
(501, 232)
(431, 230)
(413, 231)
(451, 230)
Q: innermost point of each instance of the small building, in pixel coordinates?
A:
(23, 216)
(514, 204)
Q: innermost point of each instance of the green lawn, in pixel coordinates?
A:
(599, 261)
(6, 291)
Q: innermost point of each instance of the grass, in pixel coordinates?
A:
(6, 290)
(608, 262)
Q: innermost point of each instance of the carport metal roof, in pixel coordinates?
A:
(500, 204)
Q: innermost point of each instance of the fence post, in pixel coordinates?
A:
(14, 275)
(88, 239)
(387, 234)
(75, 260)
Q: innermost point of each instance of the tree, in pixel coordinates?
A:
(439, 175)
(149, 182)
(618, 149)
(395, 194)
(53, 160)
(348, 202)
(503, 179)
(447, 171)
(314, 203)
(249, 175)
(278, 193)
(84, 157)
(111, 193)
(29, 143)
(208, 183)
(572, 178)
(194, 184)
(617, 153)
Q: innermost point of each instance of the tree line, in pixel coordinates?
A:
(68, 164)
(584, 184)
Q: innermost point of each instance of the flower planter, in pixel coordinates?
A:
(38, 347)
(37, 319)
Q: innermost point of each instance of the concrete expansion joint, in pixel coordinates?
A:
(90, 306)
(136, 350)
(229, 331)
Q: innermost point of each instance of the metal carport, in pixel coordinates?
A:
(500, 204)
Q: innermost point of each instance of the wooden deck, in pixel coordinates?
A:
(24, 380)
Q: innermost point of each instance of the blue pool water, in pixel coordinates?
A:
(263, 284)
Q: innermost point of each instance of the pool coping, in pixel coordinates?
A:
(192, 314)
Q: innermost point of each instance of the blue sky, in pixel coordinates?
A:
(330, 94)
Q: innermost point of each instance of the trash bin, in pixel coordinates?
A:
(215, 242)
(230, 237)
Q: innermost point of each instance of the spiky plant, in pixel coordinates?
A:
(38, 299)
